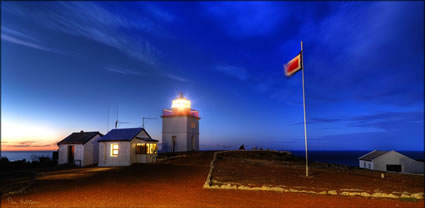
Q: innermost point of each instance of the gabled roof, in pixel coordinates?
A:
(79, 137)
(147, 139)
(372, 155)
(126, 135)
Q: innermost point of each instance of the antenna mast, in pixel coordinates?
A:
(117, 121)
(108, 117)
(143, 123)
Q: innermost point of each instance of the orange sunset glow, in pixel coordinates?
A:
(22, 136)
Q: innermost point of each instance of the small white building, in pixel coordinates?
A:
(123, 147)
(80, 148)
(180, 127)
(390, 161)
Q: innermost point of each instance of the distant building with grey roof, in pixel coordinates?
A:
(390, 161)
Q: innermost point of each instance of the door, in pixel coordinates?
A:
(193, 143)
(395, 168)
(71, 150)
(174, 138)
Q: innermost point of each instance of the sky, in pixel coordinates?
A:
(71, 66)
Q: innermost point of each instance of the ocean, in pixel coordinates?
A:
(349, 158)
(27, 155)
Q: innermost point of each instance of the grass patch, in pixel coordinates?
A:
(408, 199)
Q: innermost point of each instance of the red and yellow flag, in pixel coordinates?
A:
(294, 65)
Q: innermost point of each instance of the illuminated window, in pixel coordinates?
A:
(152, 149)
(140, 148)
(193, 125)
(181, 103)
(114, 150)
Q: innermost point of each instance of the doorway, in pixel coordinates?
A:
(394, 168)
(174, 138)
(193, 143)
(71, 150)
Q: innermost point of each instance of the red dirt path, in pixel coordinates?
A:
(172, 183)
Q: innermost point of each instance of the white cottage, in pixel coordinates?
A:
(123, 147)
(390, 161)
(180, 127)
(80, 148)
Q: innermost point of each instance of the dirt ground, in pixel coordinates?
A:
(170, 183)
(265, 167)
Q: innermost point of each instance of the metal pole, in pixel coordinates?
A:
(108, 119)
(305, 127)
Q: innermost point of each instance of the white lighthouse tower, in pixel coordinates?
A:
(180, 127)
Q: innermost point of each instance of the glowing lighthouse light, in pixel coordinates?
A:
(181, 103)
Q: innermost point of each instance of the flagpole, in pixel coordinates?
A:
(305, 126)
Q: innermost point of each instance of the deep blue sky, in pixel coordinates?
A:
(64, 63)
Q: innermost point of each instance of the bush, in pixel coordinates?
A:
(43, 162)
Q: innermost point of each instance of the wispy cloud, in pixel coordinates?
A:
(89, 20)
(122, 71)
(27, 144)
(124, 31)
(20, 38)
(175, 77)
(388, 121)
(133, 72)
(354, 72)
(233, 71)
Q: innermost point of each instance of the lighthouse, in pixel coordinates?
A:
(180, 127)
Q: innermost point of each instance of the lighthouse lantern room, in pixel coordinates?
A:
(180, 127)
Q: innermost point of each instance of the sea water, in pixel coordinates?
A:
(349, 158)
(27, 155)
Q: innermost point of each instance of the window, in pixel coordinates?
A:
(140, 148)
(193, 125)
(151, 148)
(114, 150)
(369, 166)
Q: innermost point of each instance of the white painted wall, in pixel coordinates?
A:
(141, 158)
(133, 150)
(366, 164)
(87, 153)
(142, 134)
(127, 154)
(179, 126)
(91, 151)
(412, 166)
(78, 153)
(124, 156)
(192, 132)
(408, 165)
(63, 154)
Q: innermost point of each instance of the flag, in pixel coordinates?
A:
(294, 65)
